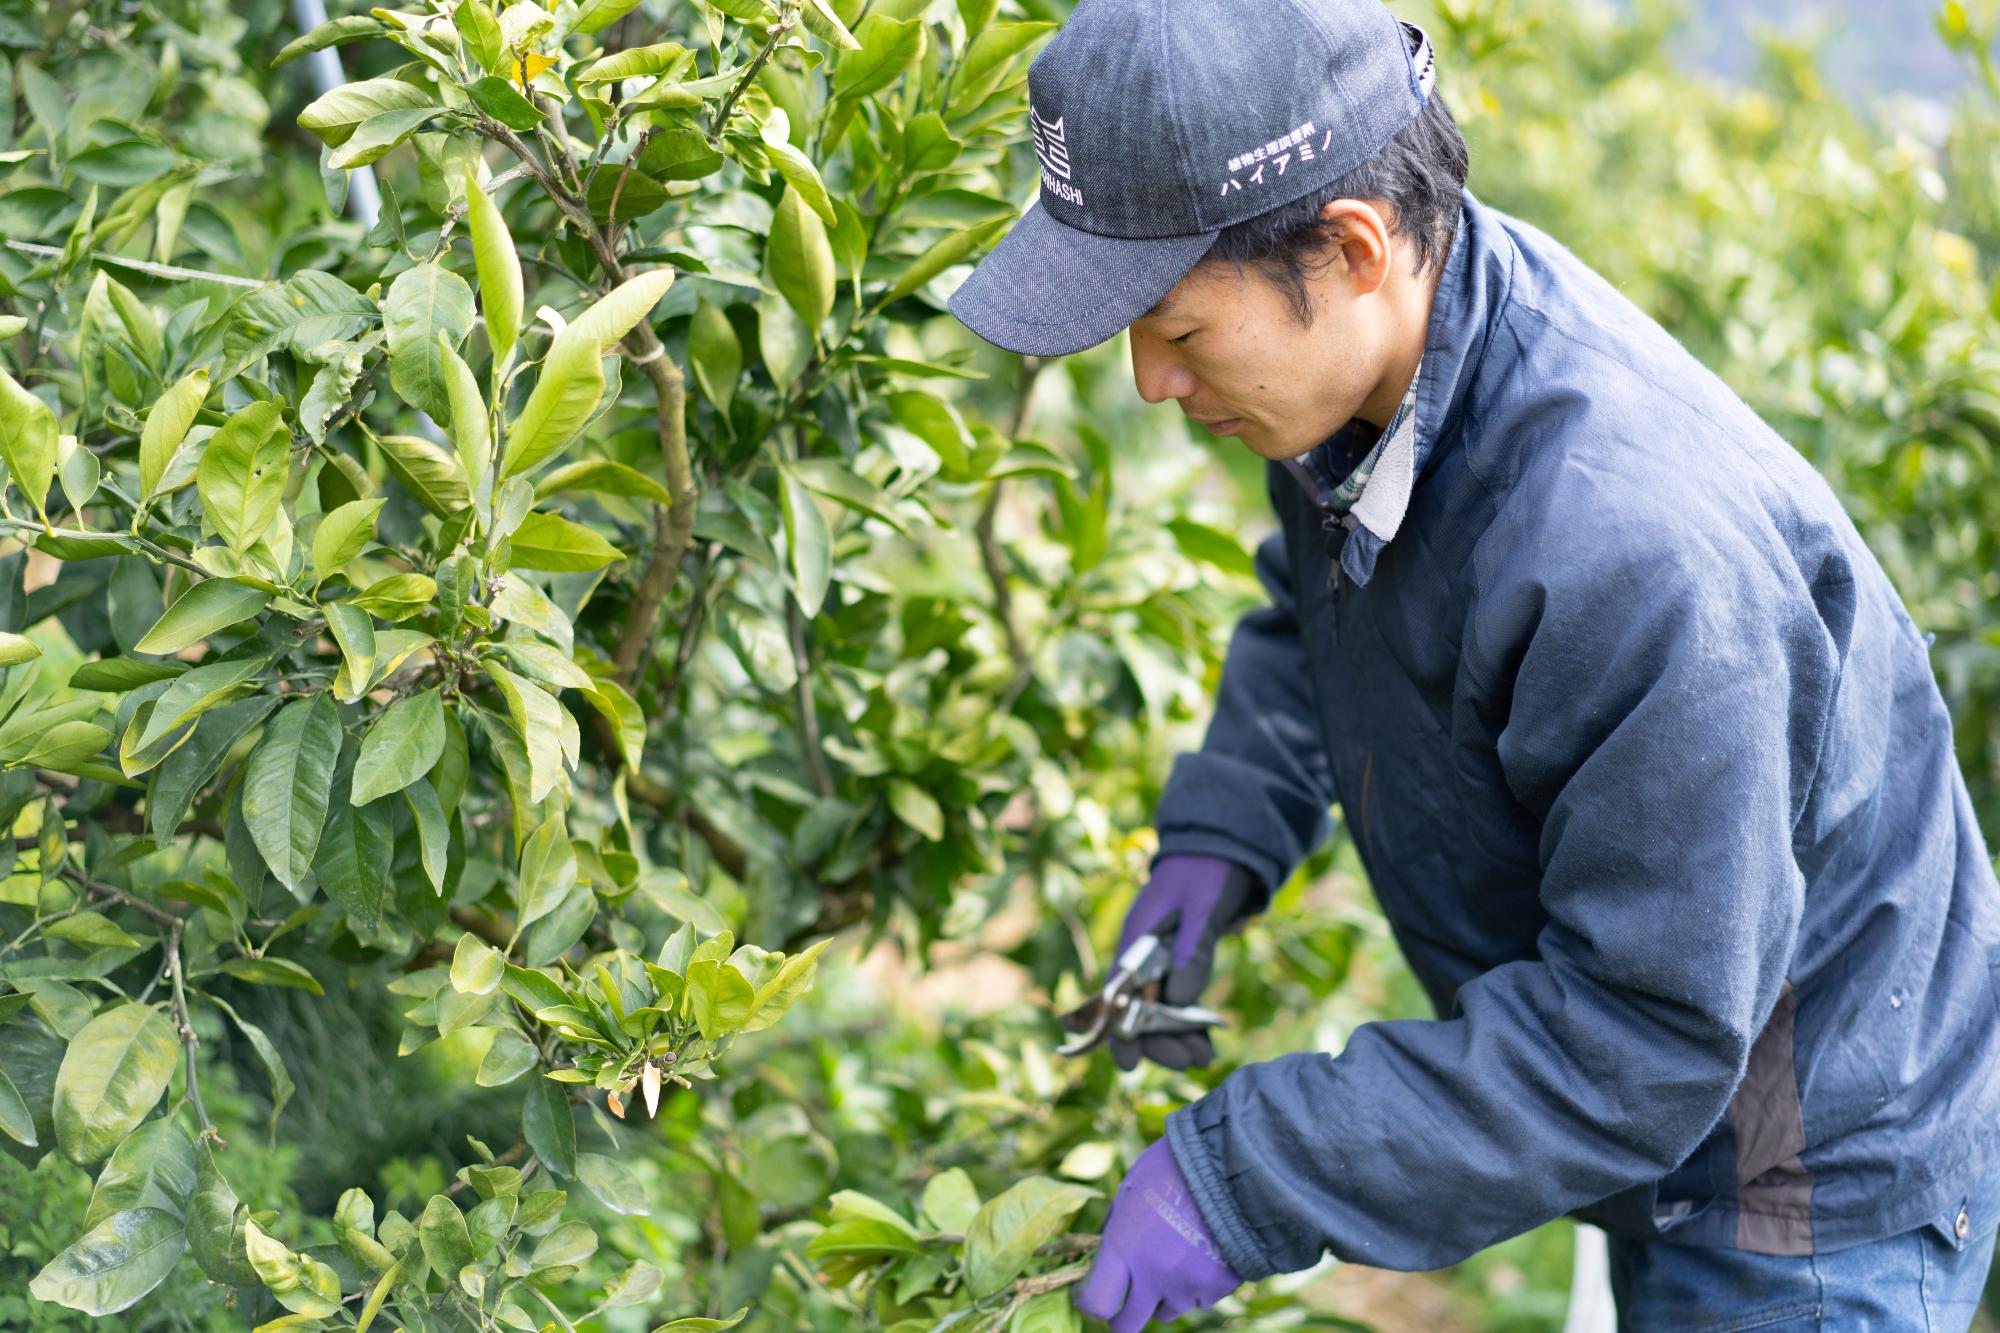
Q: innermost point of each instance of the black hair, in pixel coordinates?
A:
(1419, 174)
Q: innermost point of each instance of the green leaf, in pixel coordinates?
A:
(565, 1247)
(808, 543)
(548, 870)
(917, 808)
(596, 15)
(112, 1074)
(793, 979)
(476, 966)
(153, 1168)
(718, 997)
(571, 379)
(302, 1284)
(431, 474)
(1210, 546)
(549, 1127)
(335, 115)
(268, 971)
(433, 830)
(199, 612)
(621, 710)
(441, 1230)
(354, 857)
(354, 631)
(800, 259)
(498, 266)
(498, 98)
(532, 990)
(375, 136)
(783, 339)
(702, 1324)
(334, 32)
(888, 47)
(190, 695)
(637, 1284)
(397, 597)
(613, 1184)
(824, 24)
(715, 354)
(215, 1222)
(951, 1200)
(510, 1056)
(16, 1121)
(241, 477)
(91, 930)
(120, 674)
(538, 718)
(480, 32)
(471, 427)
(1005, 1233)
(182, 775)
(114, 1264)
(986, 60)
(343, 534)
(800, 173)
(287, 785)
(425, 302)
(16, 649)
(166, 427)
(552, 542)
(1047, 1312)
(27, 440)
(400, 748)
(637, 62)
(267, 1055)
(602, 476)
(955, 248)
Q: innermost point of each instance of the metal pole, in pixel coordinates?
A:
(364, 200)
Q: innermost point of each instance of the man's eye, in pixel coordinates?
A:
(1183, 338)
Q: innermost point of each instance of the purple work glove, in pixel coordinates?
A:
(1197, 899)
(1158, 1259)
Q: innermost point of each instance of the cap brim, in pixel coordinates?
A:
(1049, 289)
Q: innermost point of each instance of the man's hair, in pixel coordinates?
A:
(1419, 174)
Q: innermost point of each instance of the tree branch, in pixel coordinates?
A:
(184, 1022)
(722, 113)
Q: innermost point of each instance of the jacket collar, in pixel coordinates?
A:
(1470, 293)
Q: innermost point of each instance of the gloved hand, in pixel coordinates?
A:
(1158, 1259)
(1199, 899)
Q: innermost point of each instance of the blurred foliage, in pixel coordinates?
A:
(901, 659)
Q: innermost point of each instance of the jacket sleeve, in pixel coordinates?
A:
(1259, 790)
(1663, 725)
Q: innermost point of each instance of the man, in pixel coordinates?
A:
(1640, 749)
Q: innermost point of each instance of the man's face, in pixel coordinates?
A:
(1228, 347)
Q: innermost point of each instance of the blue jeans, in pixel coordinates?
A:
(1923, 1281)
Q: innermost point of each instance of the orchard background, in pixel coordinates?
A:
(561, 745)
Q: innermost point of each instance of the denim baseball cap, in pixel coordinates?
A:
(1159, 122)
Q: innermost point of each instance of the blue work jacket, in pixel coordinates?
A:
(1650, 773)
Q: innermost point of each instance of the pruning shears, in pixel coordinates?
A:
(1129, 1006)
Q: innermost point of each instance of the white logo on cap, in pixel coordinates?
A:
(1052, 148)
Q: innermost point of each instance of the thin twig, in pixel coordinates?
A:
(144, 266)
(722, 113)
(184, 1022)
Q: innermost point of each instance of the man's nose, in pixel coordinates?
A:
(1156, 371)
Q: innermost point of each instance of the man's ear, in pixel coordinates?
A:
(1360, 232)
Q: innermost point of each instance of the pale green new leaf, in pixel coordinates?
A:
(353, 631)
(498, 266)
(715, 354)
(471, 427)
(800, 259)
(605, 477)
(551, 542)
(166, 426)
(27, 440)
(793, 979)
(114, 1264)
(378, 134)
(241, 477)
(343, 533)
(334, 116)
(637, 62)
(571, 379)
(1005, 1233)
